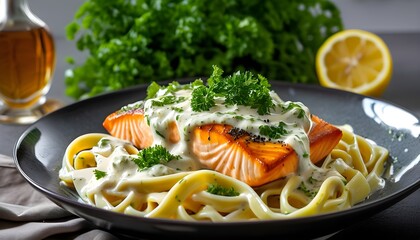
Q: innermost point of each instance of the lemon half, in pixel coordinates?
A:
(355, 60)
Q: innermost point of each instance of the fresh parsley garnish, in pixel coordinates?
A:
(307, 191)
(298, 108)
(222, 191)
(103, 142)
(151, 156)
(177, 109)
(274, 132)
(132, 107)
(202, 99)
(99, 174)
(241, 88)
(172, 87)
(167, 100)
(152, 89)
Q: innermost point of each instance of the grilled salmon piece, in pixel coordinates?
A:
(238, 155)
(323, 137)
(228, 150)
(256, 162)
(129, 125)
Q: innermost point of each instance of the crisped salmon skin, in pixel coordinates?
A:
(225, 149)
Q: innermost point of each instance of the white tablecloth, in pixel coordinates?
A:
(27, 214)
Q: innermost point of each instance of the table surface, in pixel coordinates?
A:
(401, 219)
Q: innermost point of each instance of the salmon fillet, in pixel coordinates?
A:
(237, 155)
(253, 161)
(228, 150)
(323, 137)
(129, 125)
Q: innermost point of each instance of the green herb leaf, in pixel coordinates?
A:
(309, 193)
(202, 99)
(138, 106)
(103, 142)
(273, 132)
(296, 107)
(99, 174)
(241, 88)
(151, 156)
(222, 191)
(152, 89)
(167, 100)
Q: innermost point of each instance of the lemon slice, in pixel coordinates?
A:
(354, 60)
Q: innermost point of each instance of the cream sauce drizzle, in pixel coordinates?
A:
(242, 117)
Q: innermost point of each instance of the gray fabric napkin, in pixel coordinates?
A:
(27, 214)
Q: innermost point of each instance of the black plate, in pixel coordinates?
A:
(39, 151)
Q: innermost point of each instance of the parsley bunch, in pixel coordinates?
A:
(129, 42)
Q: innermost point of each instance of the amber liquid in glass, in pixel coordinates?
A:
(27, 60)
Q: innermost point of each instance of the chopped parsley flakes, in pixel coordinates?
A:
(273, 132)
(294, 106)
(103, 142)
(151, 156)
(132, 107)
(167, 100)
(99, 174)
(309, 193)
(222, 191)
